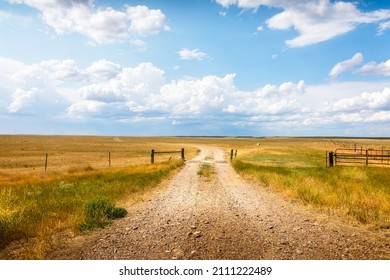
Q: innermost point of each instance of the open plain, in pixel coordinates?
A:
(220, 215)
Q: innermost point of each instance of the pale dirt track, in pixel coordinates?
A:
(223, 218)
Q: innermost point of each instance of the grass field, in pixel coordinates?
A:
(25, 154)
(296, 167)
(35, 203)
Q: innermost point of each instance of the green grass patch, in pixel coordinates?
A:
(99, 212)
(206, 170)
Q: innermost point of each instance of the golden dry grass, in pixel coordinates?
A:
(22, 157)
(40, 209)
(296, 167)
(35, 203)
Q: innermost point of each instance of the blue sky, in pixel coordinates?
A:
(195, 67)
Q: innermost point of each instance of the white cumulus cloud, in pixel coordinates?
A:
(22, 98)
(106, 90)
(101, 24)
(315, 20)
(268, 100)
(104, 69)
(382, 116)
(130, 84)
(145, 20)
(382, 68)
(207, 95)
(50, 72)
(346, 65)
(377, 100)
(85, 107)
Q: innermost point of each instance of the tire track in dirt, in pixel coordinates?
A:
(224, 217)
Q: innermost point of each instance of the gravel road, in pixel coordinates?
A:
(224, 217)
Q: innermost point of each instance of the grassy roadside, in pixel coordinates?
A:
(40, 209)
(359, 193)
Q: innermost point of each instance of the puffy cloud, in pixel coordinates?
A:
(22, 98)
(377, 100)
(106, 90)
(63, 83)
(193, 54)
(195, 97)
(45, 86)
(104, 69)
(362, 117)
(130, 84)
(382, 68)
(39, 86)
(145, 20)
(36, 101)
(268, 100)
(315, 20)
(50, 71)
(143, 90)
(382, 116)
(86, 107)
(102, 25)
(346, 65)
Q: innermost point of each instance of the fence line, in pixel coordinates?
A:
(153, 153)
(359, 157)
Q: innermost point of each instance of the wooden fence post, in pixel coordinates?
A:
(182, 153)
(331, 159)
(235, 154)
(46, 156)
(231, 154)
(366, 157)
(152, 156)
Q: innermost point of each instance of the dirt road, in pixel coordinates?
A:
(224, 217)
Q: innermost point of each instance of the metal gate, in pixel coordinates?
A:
(360, 157)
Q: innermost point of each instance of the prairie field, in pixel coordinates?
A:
(296, 167)
(38, 203)
(26, 154)
(35, 203)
